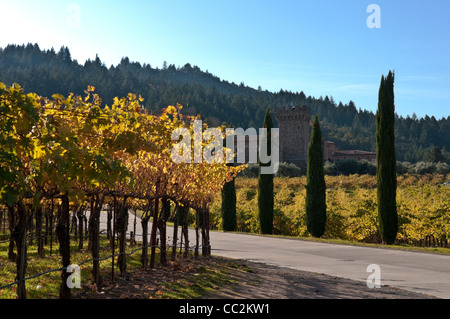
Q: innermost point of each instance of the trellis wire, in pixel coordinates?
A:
(97, 259)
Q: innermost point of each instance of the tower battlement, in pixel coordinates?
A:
(292, 110)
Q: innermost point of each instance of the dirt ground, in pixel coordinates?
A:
(244, 280)
(270, 282)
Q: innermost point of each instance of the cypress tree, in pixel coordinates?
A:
(315, 201)
(229, 206)
(265, 185)
(229, 218)
(386, 162)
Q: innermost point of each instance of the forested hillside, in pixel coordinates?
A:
(49, 71)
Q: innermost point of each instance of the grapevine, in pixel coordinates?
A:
(68, 154)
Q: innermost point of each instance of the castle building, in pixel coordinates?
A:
(332, 154)
(294, 127)
(293, 124)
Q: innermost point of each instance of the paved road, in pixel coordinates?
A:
(418, 272)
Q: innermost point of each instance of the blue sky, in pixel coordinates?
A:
(320, 47)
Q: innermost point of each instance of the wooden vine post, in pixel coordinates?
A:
(62, 233)
(20, 236)
(122, 222)
(153, 234)
(144, 224)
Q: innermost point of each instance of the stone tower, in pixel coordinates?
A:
(293, 124)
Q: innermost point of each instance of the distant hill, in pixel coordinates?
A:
(220, 102)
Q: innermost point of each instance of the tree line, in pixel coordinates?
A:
(220, 102)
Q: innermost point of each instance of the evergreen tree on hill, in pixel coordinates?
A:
(47, 72)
